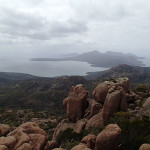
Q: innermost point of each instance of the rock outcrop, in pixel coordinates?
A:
(115, 101)
(89, 141)
(3, 147)
(9, 141)
(59, 149)
(80, 125)
(65, 124)
(95, 109)
(79, 147)
(28, 136)
(95, 121)
(109, 98)
(100, 93)
(62, 126)
(51, 145)
(76, 103)
(145, 147)
(145, 109)
(108, 138)
(4, 129)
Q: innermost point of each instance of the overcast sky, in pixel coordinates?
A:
(45, 28)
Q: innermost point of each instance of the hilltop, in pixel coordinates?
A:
(135, 73)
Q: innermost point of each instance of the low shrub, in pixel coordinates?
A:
(135, 130)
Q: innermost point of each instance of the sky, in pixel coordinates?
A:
(49, 28)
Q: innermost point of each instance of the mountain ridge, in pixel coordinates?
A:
(98, 59)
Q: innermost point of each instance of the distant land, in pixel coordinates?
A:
(134, 73)
(98, 59)
(10, 77)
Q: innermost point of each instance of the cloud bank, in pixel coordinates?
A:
(45, 27)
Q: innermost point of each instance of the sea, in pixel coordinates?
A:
(47, 68)
(51, 68)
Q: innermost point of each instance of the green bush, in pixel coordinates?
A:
(135, 131)
(92, 130)
(142, 88)
(68, 138)
(70, 145)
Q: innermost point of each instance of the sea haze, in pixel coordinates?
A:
(60, 67)
(47, 68)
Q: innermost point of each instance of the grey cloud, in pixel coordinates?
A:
(18, 23)
(75, 25)
(103, 10)
(70, 26)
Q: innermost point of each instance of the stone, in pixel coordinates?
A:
(21, 138)
(37, 140)
(28, 128)
(95, 109)
(132, 106)
(58, 149)
(51, 145)
(137, 108)
(145, 147)
(25, 146)
(89, 140)
(124, 83)
(27, 136)
(108, 139)
(115, 102)
(132, 97)
(80, 125)
(137, 102)
(100, 93)
(4, 129)
(76, 103)
(145, 109)
(3, 147)
(62, 126)
(65, 101)
(79, 147)
(95, 121)
(9, 141)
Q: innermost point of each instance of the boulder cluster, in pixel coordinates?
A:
(26, 137)
(109, 97)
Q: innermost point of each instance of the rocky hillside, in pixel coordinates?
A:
(135, 74)
(38, 93)
(7, 77)
(115, 118)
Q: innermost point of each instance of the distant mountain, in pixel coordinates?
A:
(108, 59)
